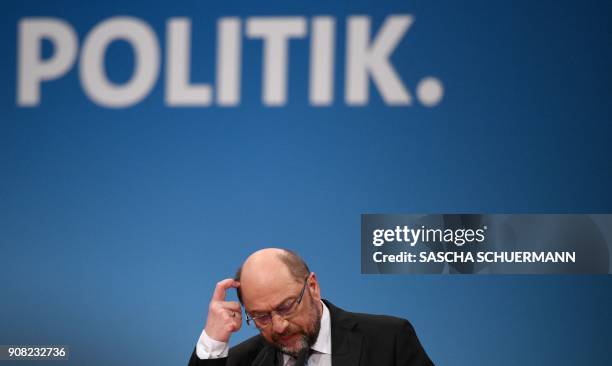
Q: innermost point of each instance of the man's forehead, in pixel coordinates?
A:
(266, 295)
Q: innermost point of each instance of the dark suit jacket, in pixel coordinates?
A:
(357, 339)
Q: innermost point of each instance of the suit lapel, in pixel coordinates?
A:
(346, 343)
(348, 352)
(266, 357)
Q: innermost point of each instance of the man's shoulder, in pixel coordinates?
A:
(242, 354)
(370, 323)
(249, 347)
(378, 321)
(386, 340)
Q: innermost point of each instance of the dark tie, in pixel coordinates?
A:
(303, 357)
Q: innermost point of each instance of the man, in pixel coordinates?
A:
(282, 299)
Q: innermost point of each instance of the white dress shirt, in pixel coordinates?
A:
(321, 350)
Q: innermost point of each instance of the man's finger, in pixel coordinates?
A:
(232, 305)
(222, 287)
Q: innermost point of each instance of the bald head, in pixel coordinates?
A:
(269, 268)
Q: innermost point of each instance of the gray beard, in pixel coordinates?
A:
(308, 339)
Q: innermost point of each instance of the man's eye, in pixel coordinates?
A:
(264, 319)
(284, 307)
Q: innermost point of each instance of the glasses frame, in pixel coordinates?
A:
(292, 306)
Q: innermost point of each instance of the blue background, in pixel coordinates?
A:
(116, 224)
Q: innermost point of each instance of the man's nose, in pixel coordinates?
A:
(279, 324)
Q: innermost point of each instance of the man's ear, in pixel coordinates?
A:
(313, 286)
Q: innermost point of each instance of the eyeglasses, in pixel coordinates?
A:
(284, 310)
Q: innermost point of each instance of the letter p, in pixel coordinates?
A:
(32, 69)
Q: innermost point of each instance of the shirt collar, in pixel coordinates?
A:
(323, 342)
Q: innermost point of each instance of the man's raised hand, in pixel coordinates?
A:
(224, 317)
